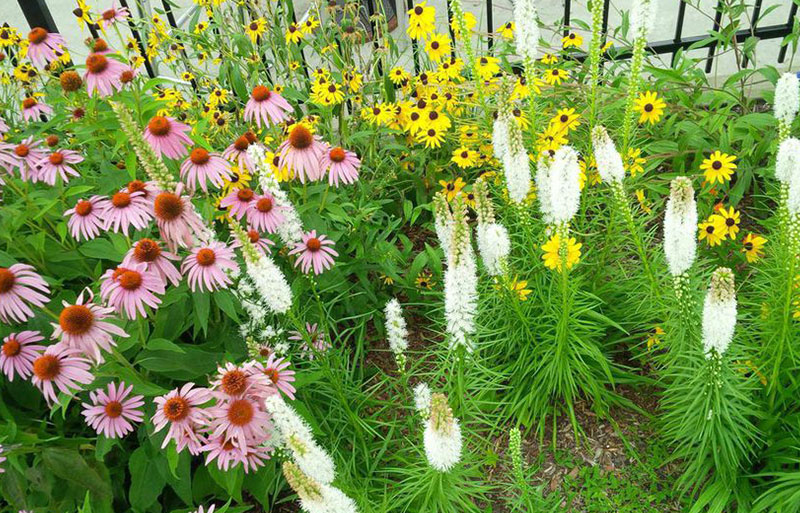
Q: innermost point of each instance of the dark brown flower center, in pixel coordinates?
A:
(748, 246)
(176, 409)
(648, 107)
(168, 206)
(313, 244)
(261, 93)
(100, 45)
(12, 347)
(417, 10)
(253, 236)
(56, 158)
(199, 156)
(96, 63)
(146, 250)
(7, 280)
(730, 221)
(159, 126)
(83, 208)
(234, 382)
(37, 35)
(129, 279)
(273, 375)
(76, 319)
(716, 164)
(300, 138)
(240, 412)
(121, 199)
(137, 186)
(27, 103)
(337, 154)
(241, 143)
(264, 205)
(109, 14)
(22, 150)
(46, 367)
(245, 194)
(113, 409)
(206, 257)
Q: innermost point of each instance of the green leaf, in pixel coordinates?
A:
(70, 466)
(146, 481)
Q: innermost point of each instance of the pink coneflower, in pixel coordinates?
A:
(149, 252)
(301, 152)
(149, 190)
(205, 267)
(86, 218)
(239, 420)
(83, 327)
(202, 167)
(55, 164)
(314, 341)
(341, 164)
(238, 200)
(256, 239)
(237, 152)
(28, 154)
(103, 74)
(314, 252)
(113, 414)
(265, 106)
(42, 46)
(226, 454)
(167, 136)
(3, 126)
(193, 439)
(129, 289)
(2, 459)
(177, 219)
(182, 410)
(32, 109)
(60, 367)
(276, 369)
(18, 352)
(234, 380)
(114, 14)
(264, 214)
(124, 210)
(20, 285)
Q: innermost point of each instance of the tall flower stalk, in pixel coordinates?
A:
(461, 21)
(596, 10)
(460, 280)
(526, 37)
(509, 147)
(643, 15)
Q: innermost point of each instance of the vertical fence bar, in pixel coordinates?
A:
(713, 47)
(414, 47)
(606, 8)
(174, 25)
(753, 25)
(789, 27)
(452, 32)
(138, 38)
(489, 23)
(679, 27)
(38, 15)
(567, 8)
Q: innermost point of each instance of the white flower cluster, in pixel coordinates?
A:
(396, 332)
(270, 283)
(461, 299)
(526, 29)
(787, 98)
(291, 229)
(608, 159)
(494, 246)
(422, 399)
(558, 183)
(442, 222)
(318, 472)
(500, 137)
(719, 313)
(787, 170)
(510, 151)
(680, 226)
(643, 17)
(442, 436)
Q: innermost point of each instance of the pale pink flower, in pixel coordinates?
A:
(20, 285)
(238, 200)
(226, 454)
(149, 252)
(86, 218)
(167, 136)
(42, 46)
(32, 109)
(26, 156)
(314, 252)
(3, 126)
(177, 219)
(301, 152)
(82, 326)
(313, 342)
(113, 15)
(129, 289)
(265, 106)
(256, 239)
(18, 352)
(60, 367)
(237, 153)
(264, 214)
(149, 190)
(103, 74)
(182, 411)
(341, 165)
(239, 419)
(124, 209)
(202, 167)
(113, 414)
(56, 164)
(205, 267)
(276, 369)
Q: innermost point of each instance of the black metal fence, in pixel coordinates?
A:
(38, 14)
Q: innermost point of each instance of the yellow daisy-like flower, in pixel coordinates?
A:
(549, 59)
(519, 288)
(650, 107)
(82, 13)
(421, 20)
(718, 167)
(438, 47)
(753, 247)
(634, 162)
(589, 173)
(200, 27)
(398, 75)
(293, 34)
(731, 218)
(551, 139)
(507, 30)
(381, 114)
(712, 230)
(654, 339)
(451, 188)
(566, 120)
(488, 67)
(464, 158)
(239, 179)
(431, 137)
(572, 40)
(255, 29)
(310, 25)
(424, 280)
(552, 258)
(354, 80)
(554, 76)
